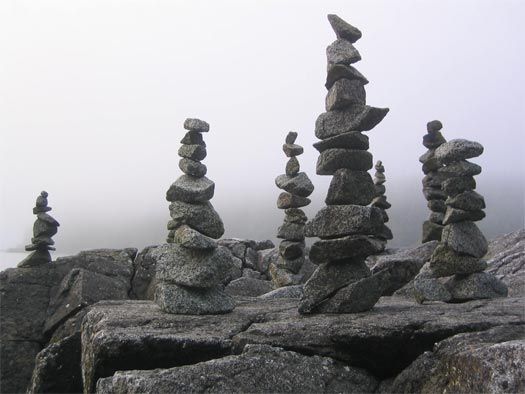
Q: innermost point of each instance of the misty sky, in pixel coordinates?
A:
(93, 95)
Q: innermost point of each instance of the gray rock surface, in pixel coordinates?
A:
(444, 262)
(331, 160)
(475, 286)
(350, 187)
(192, 152)
(460, 168)
(453, 215)
(338, 71)
(465, 238)
(248, 287)
(196, 125)
(344, 29)
(457, 185)
(355, 118)
(294, 291)
(192, 167)
(191, 189)
(342, 52)
(287, 200)
(299, 184)
(200, 217)
(344, 93)
(349, 140)
(189, 238)
(327, 250)
(457, 150)
(292, 166)
(431, 231)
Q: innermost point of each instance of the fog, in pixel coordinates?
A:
(93, 95)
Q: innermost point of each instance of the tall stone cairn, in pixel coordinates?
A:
(459, 254)
(380, 200)
(433, 227)
(192, 267)
(44, 228)
(349, 229)
(297, 187)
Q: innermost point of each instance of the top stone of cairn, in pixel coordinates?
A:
(196, 125)
(343, 29)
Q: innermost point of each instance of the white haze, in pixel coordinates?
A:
(93, 95)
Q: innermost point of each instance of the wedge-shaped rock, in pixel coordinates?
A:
(350, 140)
(192, 167)
(331, 160)
(465, 238)
(354, 118)
(193, 152)
(182, 300)
(461, 168)
(341, 220)
(457, 150)
(327, 250)
(381, 202)
(342, 52)
(291, 232)
(453, 215)
(344, 93)
(338, 71)
(467, 201)
(287, 200)
(189, 238)
(196, 125)
(350, 187)
(191, 189)
(344, 29)
(291, 150)
(475, 286)
(457, 185)
(299, 185)
(431, 231)
(201, 217)
(445, 262)
(38, 257)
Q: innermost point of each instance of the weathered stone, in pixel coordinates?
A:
(200, 217)
(193, 152)
(287, 200)
(191, 189)
(475, 286)
(331, 160)
(379, 189)
(193, 138)
(252, 274)
(350, 187)
(460, 168)
(299, 185)
(291, 150)
(457, 185)
(437, 206)
(189, 238)
(432, 141)
(291, 231)
(349, 140)
(434, 126)
(295, 215)
(291, 137)
(36, 258)
(251, 257)
(344, 93)
(431, 231)
(343, 29)
(327, 250)
(434, 179)
(338, 71)
(431, 193)
(281, 277)
(340, 220)
(192, 167)
(381, 202)
(437, 217)
(264, 245)
(342, 52)
(458, 149)
(248, 287)
(18, 360)
(428, 288)
(292, 166)
(385, 233)
(196, 125)
(294, 291)
(467, 201)
(354, 118)
(143, 282)
(454, 215)
(465, 238)
(292, 264)
(445, 262)
(291, 249)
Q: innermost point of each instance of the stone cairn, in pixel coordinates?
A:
(192, 266)
(44, 228)
(459, 254)
(349, 229)
(297, 187)
(433, 227)
(380, 200)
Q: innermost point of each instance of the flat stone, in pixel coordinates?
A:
(291, 137)
(331, 160)
(328, 278)
(338, 71)
(292, 166)
(342, 52)
(248, 287)
(294, 291)
(431, 193)
(340, 220)
(458, 149)
(354, 118)
(465, 238)
(193, 138)
(350, 140)
(200, 217)
(467, 201)
(344, 93)
(291, 232)
(457, 185)
(192, 167)
(437, 206)
(475, 286)
(434, 140)
(434, 179)
(327, 250)
(191, 189)
(38, 257)
(431, 231)
(37, 210)
(454, 215)
(287, 200)
(343, 29)
(291, 249)
(460, 168)
(291, 150)
(350, 187)
(196, 125)
(193, 152)
(445, 262)
(295, 215)
(189, 238)
(299, 185)
(293, 264)
(181, 300)
(381, 202)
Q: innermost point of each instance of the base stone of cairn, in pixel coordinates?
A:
(192, 266)
(459, 254)
(380, 200)
(44, 228)
(297, 187)
(349, 229)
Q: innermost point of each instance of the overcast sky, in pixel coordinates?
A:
(93, 95)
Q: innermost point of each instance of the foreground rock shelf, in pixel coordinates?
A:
(136, 335)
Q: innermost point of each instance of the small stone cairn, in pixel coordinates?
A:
(44, 228)
(433, 227)
(192, 266)
(349, 229)
(459, 254)
(380, 200)
(297, 187)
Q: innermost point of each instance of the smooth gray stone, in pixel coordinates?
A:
(291, 231)
(453, 215)
(354, 118)
(292, 150)
(189, 238)
(437, 206)
(192, 167)
(433, 140)
(331, 160)
(431, 231)
(343, 29)
(193, 138)
(458, 149)
(475, 286)
(299, 185)
(292, 166)
(432, 193)
(467, 201)
(434, 126)
(293, 265)
(350, 187)
(37, 257)
(338, 71)
(291, 249)
(428, 288)
(465, 238)
(196, 125)
(381, 202)
(295, 215)
(342, 52)
(328, 278)
(460, 168)
(193, 152)
(350, 140)
(457, 185)
(291, 137)
(341, 220)
(327, 250)
(182, 300)
(344, 93)
(248, 287)
(191, 189)
(437, 217)
(445, 262)
(287, 200)
(200, 217)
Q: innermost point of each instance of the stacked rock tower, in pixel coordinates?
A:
(297, 187)
(433, 227)
(44, 228)
(349, 229)
(380, 200)
(192, 267)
